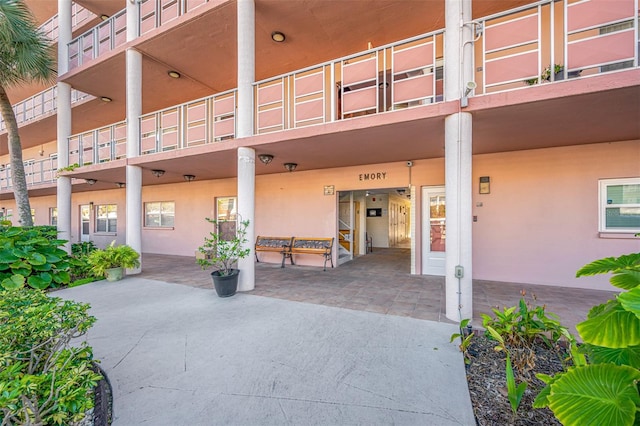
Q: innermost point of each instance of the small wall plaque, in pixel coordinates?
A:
(329, 189)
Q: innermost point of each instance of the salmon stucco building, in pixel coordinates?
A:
(495, 139)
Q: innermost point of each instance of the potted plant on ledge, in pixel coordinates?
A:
(222, 252)
(111, 262)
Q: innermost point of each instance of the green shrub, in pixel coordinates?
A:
(604, 390)
(80, 269)
(32, 256)
(43, 381)
(112, 257)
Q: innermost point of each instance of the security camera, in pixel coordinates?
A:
(409, 163)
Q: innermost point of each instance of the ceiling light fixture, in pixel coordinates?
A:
(157, 172)
(278, 37)
(104, 17)
(105, 99)
(266, 158)
(174, 74)
(189, 178)
(120, 184)
(90, 181)
(290, 166)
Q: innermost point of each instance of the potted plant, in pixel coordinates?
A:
(222, 252)
(546, 75)
(111, 262)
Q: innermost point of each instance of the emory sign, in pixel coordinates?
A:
(373, 176)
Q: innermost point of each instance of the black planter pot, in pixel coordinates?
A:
(225, 285)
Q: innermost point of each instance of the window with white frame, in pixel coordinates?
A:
(53, 216)
(159, 214)
(620, 205)
(106, 218)
(226, 215)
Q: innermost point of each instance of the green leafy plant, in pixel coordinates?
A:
(32, 256)
(465, 335)
(111, 257)
(514, 392)
(43, 380)
(80, 269)
(221, 251)
(68, 168)
(522, 325)
(604, 390)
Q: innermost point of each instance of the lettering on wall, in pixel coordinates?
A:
(373, 176)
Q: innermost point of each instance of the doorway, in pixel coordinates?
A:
(85, 222)
(434, 230)
(373, 219)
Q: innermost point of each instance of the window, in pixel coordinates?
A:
(227, 214)
(159, 214)
(53, 216)
(620, 205)
(106, 218)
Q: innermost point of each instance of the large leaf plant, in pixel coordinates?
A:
(603, 390)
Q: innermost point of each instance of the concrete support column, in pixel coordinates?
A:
(63, 191)
(458, 71)
(244, 120)
(246, 211)
(134, 173)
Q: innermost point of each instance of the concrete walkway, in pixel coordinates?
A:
(179, 355)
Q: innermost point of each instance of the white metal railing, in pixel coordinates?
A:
(155, 13)
(206, 120)
(513, 48)
(36, 172)
(103, 38)
(396, 76)
(523, 46)
(41, 104)
(79, 15)
(101, 145)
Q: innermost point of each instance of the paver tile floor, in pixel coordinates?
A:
(380, 282)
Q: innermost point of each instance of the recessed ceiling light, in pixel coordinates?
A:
(104, 17)
(105, 99)
(277, 36)
(174, 74)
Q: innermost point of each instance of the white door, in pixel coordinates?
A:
(433, 231)
(85, 222)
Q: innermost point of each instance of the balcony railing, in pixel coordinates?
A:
(79, 15)
(36, 172)
(207, 120)
(155, 13)
(512, 50)
(553, 41)
(41, 104)
(99, 146)
(103, 38)
(392, 77)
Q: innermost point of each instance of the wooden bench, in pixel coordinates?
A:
(307, 245)
(272, 244)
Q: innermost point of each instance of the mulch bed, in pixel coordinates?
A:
(488, 387)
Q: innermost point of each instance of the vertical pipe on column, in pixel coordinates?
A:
(458, 163)
(244, 119)
(63, 117)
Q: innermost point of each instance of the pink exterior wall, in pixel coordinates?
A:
(539, 224)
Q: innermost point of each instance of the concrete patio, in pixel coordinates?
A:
(179, 355)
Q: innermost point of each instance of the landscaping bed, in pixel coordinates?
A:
(488, 388)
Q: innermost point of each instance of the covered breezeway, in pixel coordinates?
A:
(379, 282)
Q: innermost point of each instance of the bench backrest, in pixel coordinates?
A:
(278, 242)
(312, 243)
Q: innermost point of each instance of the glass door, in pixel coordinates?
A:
(85, 222)
(434, 231)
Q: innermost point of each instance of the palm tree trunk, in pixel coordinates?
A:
(19, 181)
